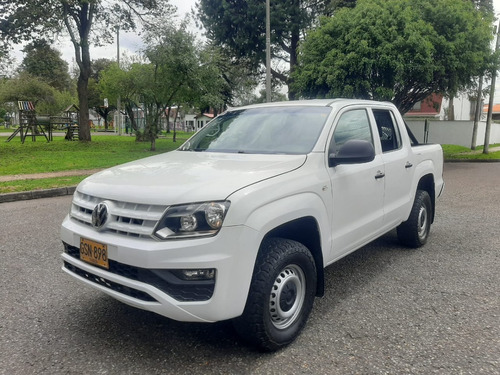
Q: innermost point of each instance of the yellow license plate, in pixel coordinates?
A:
(94, 252)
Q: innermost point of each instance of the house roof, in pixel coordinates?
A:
(72, 108)
(209, 115)
(496, 108)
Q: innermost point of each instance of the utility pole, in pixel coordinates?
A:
(268, 51)
(491, 102)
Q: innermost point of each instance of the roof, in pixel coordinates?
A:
(496, 108)
(72, 108)
(316, 102)
(209, 115)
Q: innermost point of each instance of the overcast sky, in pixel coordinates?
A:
(131, 43)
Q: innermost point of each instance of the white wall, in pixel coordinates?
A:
(453, 132)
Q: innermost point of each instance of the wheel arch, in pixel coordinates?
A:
(426, 183)
(306, 231)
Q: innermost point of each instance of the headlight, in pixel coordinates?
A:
(192, 220)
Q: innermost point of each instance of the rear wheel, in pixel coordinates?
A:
(281, 295)
(415, 231)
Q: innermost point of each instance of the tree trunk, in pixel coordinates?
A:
(83, 115)
(131, 116)
(477, 116)
(294, 45)
(175, 121)
(451, 109)
(83, 17)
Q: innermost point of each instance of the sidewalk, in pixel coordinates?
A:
(45, 193)
(37, 176)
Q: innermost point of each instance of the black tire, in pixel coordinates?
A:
(281, 295)
(415, 231)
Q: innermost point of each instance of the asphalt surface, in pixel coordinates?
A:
(387, 309)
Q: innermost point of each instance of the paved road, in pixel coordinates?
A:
(387, 310)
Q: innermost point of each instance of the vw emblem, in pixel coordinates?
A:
(99, 215)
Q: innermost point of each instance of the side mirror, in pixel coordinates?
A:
(354, 151)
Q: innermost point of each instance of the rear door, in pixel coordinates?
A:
(399, 168)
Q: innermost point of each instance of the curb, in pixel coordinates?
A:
(472, 160)
(35, 194)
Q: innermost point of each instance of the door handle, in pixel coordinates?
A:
(379, 174)
(408, 165)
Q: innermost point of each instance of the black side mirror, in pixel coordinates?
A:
(354, 151)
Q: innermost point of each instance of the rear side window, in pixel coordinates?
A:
(351, 125)
(388, 130)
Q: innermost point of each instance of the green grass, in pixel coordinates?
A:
(61, 155)
(453, 152)
(45, 183)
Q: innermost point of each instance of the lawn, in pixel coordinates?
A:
(61, 155)
(453, 153)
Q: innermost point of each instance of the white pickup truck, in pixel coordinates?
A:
(240, 221)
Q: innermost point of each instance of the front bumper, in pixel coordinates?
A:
(139, 271)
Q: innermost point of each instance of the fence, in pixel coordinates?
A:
(452, 132)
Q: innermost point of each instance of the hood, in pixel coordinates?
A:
(183, 176)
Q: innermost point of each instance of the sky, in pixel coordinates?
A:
(130, 43)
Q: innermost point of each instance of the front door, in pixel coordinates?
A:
(358, 189)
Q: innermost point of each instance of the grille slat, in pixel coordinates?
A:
(132, 228)
(127, 219)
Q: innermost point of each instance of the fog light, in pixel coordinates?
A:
(202, 274)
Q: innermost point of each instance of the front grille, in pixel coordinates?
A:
(110, 284)
(164, 280)
(127, 219)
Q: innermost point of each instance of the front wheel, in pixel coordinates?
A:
(415, 231)
(281, 295)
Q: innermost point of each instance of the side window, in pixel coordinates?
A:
(351, 125)
(388, 130)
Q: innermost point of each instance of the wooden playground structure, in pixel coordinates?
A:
(32, 125)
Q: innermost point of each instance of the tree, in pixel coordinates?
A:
(95, 95)
(44, 62)
(126, 83)
(396, 50)
(174, 59)
(26, 88)
(5, 61)
(484, 5)
(239, 27)
(220, 82)
(23, 20)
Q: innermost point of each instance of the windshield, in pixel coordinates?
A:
(274, 130)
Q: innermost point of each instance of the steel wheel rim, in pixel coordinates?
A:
(287, 296)
(423, 218)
